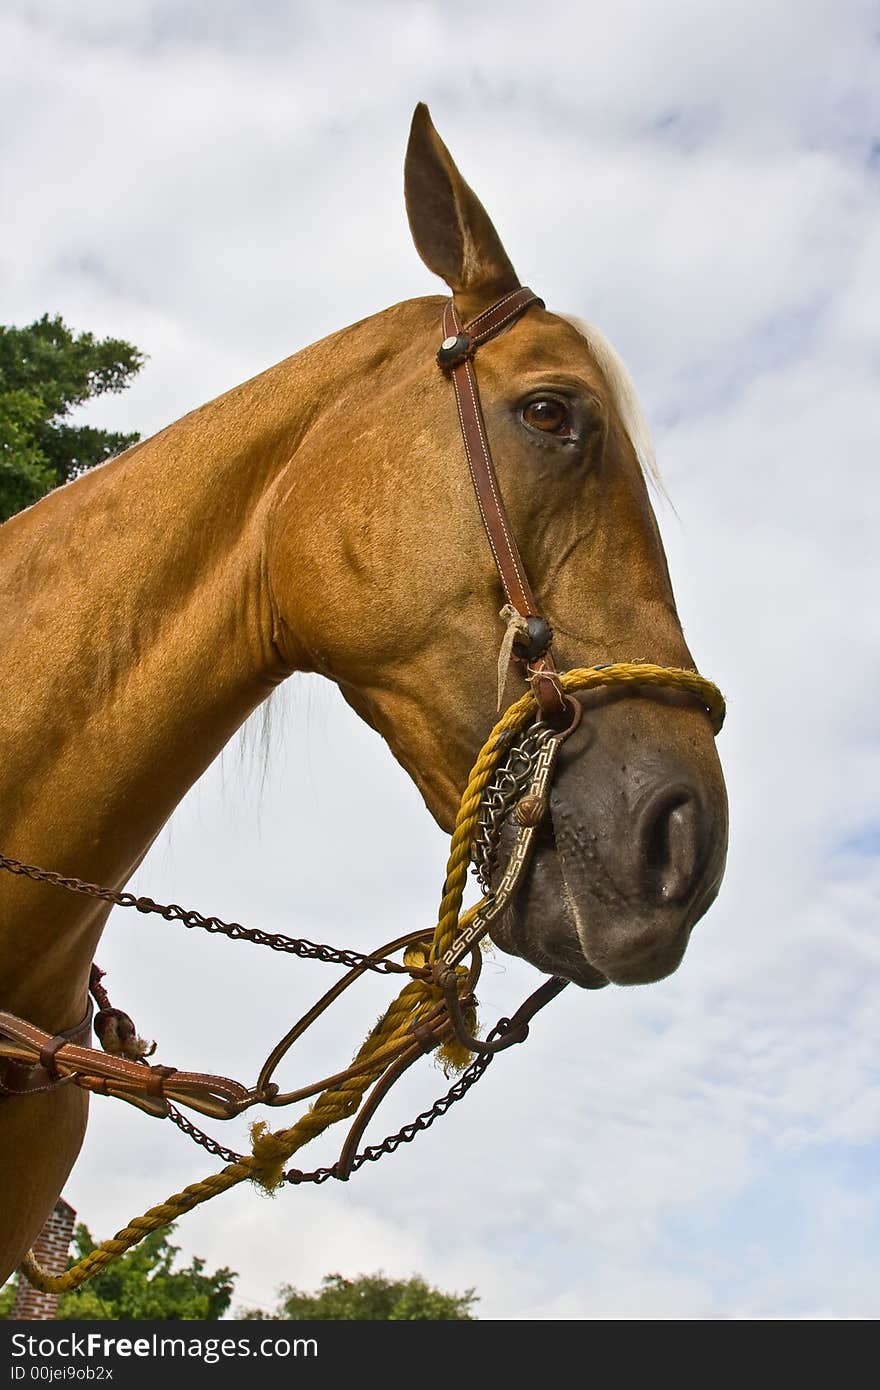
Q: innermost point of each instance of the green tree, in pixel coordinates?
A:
(46, 371)
(142, 1284)
(371, 1298)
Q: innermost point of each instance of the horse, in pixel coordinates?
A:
(320, 518)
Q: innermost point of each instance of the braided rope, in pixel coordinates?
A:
(271, 1150)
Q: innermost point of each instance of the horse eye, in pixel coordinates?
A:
(547, 415)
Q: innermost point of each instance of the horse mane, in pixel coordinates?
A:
(624, 396)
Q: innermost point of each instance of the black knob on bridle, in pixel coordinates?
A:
(536, 643)
(453, 350)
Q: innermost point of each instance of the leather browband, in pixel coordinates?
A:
(456, 359)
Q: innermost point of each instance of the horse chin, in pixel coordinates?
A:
(568, 922)
(540, 925)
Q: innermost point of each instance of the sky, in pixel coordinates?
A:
(221, 184)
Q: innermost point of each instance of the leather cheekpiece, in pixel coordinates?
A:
(456, 358)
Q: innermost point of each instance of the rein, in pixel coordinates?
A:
(436, 1009)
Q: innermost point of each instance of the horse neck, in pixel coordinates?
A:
(137, 636)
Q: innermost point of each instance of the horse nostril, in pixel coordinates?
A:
(671, 843)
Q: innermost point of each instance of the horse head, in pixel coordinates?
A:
(381, 577)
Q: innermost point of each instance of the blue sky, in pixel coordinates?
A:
(223, 184)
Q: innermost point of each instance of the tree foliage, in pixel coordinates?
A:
(371, 1298)
(142, 1284)
(46, 371)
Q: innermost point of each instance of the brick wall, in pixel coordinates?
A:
(51, 1248)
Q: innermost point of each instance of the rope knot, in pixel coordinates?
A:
(116, 1031)
(118, 1036)
(454, 1056)
(417, 958)
(269, 1152)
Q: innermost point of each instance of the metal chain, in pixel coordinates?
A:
(497, 800)
(373, 1152)
(173, 912)
(407, 1133)
(199, 1136)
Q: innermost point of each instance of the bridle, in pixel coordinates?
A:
(531, 637)
(437, 1008)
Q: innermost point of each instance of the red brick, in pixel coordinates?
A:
(51, 1249)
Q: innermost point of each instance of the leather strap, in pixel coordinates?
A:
(456, 358)
(21, 1077)
(32, 1061)
(504, 547)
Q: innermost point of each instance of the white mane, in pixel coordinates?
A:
(623, 393)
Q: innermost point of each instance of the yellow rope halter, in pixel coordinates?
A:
(271, 1150)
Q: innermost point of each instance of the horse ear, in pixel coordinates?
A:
(450, 227)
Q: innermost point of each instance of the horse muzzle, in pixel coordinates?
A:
(633, 852)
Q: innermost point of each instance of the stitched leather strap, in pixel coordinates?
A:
(456, 358)
(27, 1054)
(20, 1077)
(473, 429)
